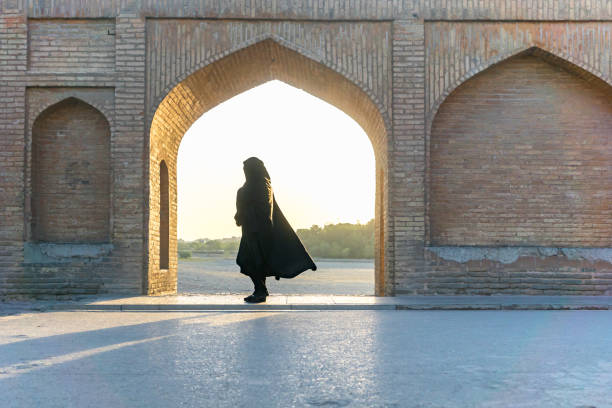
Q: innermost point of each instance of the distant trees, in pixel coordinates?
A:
(209, 245)
(342, 241)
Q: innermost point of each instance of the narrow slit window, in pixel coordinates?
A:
(164, 216)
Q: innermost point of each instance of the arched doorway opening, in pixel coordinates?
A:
(228, 77)
(322, 168)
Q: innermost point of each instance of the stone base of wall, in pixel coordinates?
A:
(454, 270)
(64, 271)
(55, 280)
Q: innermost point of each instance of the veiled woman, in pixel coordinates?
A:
(269, 246)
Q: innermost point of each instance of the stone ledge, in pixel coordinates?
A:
(48, 253)
(511, 254)
(317, 302)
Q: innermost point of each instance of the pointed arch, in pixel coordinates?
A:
(516, 147)
(270, 37)
(70, 188)
(255, 62)
(232, 73)
(61, 97)
(561, 59)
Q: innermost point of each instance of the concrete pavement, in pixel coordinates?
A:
(373, 358)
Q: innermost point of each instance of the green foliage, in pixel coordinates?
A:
(184, 254)
(204, 245)
(339, 240)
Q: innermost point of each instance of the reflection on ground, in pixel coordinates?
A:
(348, 358)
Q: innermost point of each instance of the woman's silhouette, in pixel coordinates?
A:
(269, 246)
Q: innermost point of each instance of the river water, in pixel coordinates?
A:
(218, 275)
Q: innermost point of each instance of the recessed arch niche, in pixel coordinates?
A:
(70, 198)
(520, 155)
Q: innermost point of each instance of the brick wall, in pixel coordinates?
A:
(13, 57)
(129, 157)
(71, 45)
(391, 65)
(57, 269)
(457, 50)
(407, 170)
(71, 174)
(337, 9)
(520, 155)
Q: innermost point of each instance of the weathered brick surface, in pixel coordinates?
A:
(551, 273)
(152, 67)
(69, 45)
(407, 168)
(39, 99)
(359, 51)
(13, 58)
(338, 9)
(520, 155)
(130, 193)
(456, 51)
(71, 174)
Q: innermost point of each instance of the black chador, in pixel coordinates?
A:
(269, 246)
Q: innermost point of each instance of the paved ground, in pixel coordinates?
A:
(307, 358)
(316, 302)
(218, 275)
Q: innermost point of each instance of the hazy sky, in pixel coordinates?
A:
(320, 161)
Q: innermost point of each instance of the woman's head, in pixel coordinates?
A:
(255, 170)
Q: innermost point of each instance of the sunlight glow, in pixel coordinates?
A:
(320, 161)
(224, 319)
(25, 367)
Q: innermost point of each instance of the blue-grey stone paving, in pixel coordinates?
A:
(307, 359)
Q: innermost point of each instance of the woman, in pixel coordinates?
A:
(269, 246)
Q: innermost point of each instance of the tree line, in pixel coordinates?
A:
(342, 241)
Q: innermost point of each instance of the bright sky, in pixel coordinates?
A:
(320, 161)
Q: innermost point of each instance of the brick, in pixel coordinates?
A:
(391, 66)
(505, 149)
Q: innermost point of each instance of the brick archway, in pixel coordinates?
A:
(227, 77)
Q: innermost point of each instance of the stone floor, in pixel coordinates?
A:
(274, 358)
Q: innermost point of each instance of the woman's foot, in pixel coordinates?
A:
(255, 298)
(257, 294)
